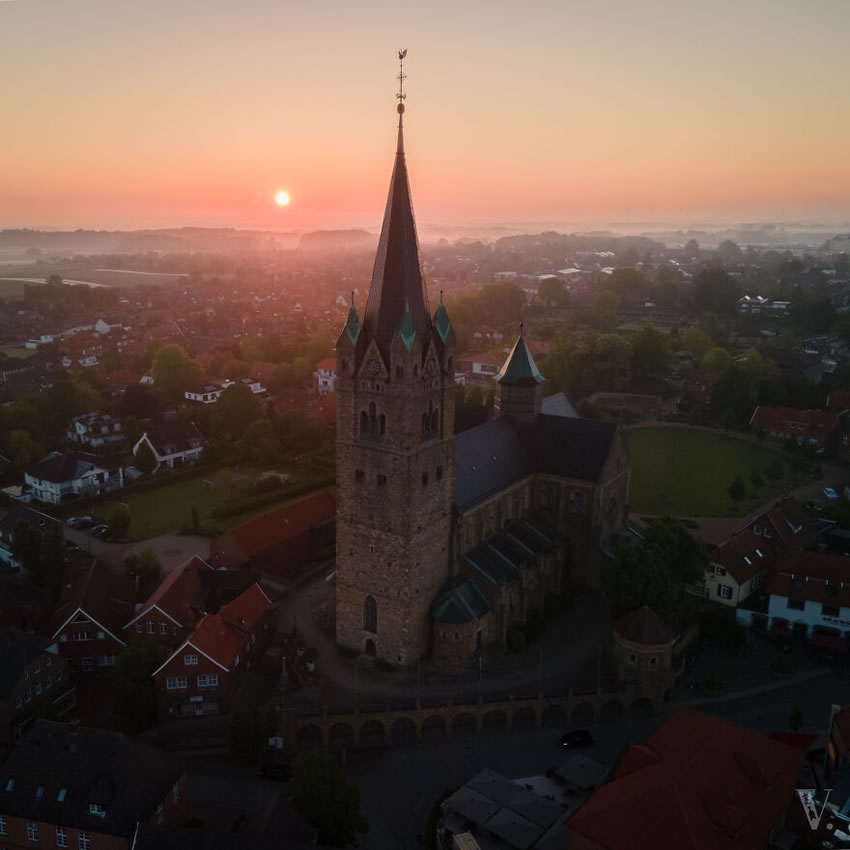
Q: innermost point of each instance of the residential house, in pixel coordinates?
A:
(96, 429)
(13, 514)
(808, 597)
(786, 525)
(479, 369)
(211, 391)
(89, 618)
(201, 676)
(63, 475)
(698, 783)
(167, 613)
(739, 568)
(815, 428)
(173, 444)
(33, 677)
(324, 378)
(68, 786)
(280, 539)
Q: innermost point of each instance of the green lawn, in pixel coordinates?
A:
(169, 508)
(685, 472)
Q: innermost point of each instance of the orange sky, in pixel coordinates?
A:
(159, 113)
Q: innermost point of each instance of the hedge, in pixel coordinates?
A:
(263, 499)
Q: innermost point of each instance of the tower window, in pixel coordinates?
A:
(439, 473)
(364, 422)
(424, 479)
(370, 615)
(382, 424)
(399, 371)
(382, 479)
(359, 475)
(344, 368)
(577, 504)
(415, 371)
(449, 364)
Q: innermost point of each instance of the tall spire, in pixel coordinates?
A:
(520, 369)
(397, 283)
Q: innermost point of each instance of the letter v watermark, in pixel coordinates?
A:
(810, 810)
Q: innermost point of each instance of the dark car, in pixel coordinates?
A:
(99, 531)
(576, 738)
(279, 771)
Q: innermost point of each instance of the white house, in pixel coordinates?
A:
(210, 392)
(95, 429)
(173, 445)
(59, 475)
(808, 596)
(324, 378)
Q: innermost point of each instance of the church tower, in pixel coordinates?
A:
(519, 384)
(395, 445)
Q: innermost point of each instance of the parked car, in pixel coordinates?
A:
(830, 495)
(99, 531)
(576, 738)
(279, 771)
(84, 522)
(72, 521)
(71, 546)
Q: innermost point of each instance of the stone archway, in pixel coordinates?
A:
(524, 718)
(340, 737)
(494, 721)
(464, 724)
(372, 734)
(403, 730)
(434, 728)
(308, 737)
(370, 648)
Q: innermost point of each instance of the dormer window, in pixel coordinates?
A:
(190, 660)
(39, 792)
(95, 809)
(10, 785)
(60, 797)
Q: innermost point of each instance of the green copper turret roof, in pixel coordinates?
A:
(407, 330)
(441, 320)
(352, 323)
(520, 367)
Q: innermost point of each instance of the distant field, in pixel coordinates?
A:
(13, 289)
(685, 472)
(119, 278)
(17, 351)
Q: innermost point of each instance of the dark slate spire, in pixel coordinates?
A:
(520, 368)
(352, 323)
(397, 277)
(441, 320)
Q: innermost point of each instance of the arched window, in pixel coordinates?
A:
(435, 419)
(370, 615)
(449, 364)
(415, 370)
(382, 424)
(364, 422)
(373, 418)
(424, 423)
(344, 366)
(399, 371)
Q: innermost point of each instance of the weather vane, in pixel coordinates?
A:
(401, 78)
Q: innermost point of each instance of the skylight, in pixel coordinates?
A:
(60, 797)
(39, 792)
(10, 785)
(758, 552)
(748, 560)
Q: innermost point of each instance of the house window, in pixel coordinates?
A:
(18, 703)
(370, 615)
(87, 664)
(653, 662)
(106, 661)
(577, 504)
(48, 683)
(176, 683)
(83, 841)
(359, 475)
(546, 497)
(95, 809)
(632, 658)
(190, 660)
(159, 814)
(796, 604)
(38, 689)
(61, 837)
(36, 670)
(81, 636)
(719, 571)
(439, 473)
(424, 479)
(236, 661)
(163, 627)
(829, 611)
(138, 628)
(2, 826)
(32, 832)
(149, 627)
(47, 661)
(175, 792)
(724, 591)
(58, 675)
(209, 680)
(28, 695)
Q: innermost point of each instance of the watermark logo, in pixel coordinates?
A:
(810, 808)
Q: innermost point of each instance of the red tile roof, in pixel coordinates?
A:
(328, 364)
(745, 555)
(712, 786)
(793, 527)
(269, 530)
(175, 592)
(839, 401)
(790, 422)
(644, 626)
(222, 636)
(104, 597)
(813, 577)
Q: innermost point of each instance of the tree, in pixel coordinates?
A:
(716, 361)
(174, 371)
(737, 489)
(551, 292)
(119, 522)
(691, 248)
(248, 737)
(146, 565)
(260, 443)
(714, 290)
(26, 549)
(237, 407)
(656, 570)
(145, 459)
(696, 342)
(53, 562)
(133, 687)
(23, 449)
(756, 478)
(133, 430)
(319, 791)
(650, 349)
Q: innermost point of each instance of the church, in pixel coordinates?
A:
(445, 542)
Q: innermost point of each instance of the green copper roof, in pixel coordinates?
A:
(352, 323)
(520, 367)
(441, 320)
(407, 329)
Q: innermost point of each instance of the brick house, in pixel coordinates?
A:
(89, 618)
(816, 428)
(279, 540)
(786, 525)
(167, 612)
(739, 568)
(67, 786)
(32, 675)
(201, 676)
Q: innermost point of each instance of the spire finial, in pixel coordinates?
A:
(441, 296)
(521, 326)
(401, 97)
(352, 297)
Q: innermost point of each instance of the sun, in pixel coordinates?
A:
(281, 198)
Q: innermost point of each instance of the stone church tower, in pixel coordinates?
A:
(395, 446)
